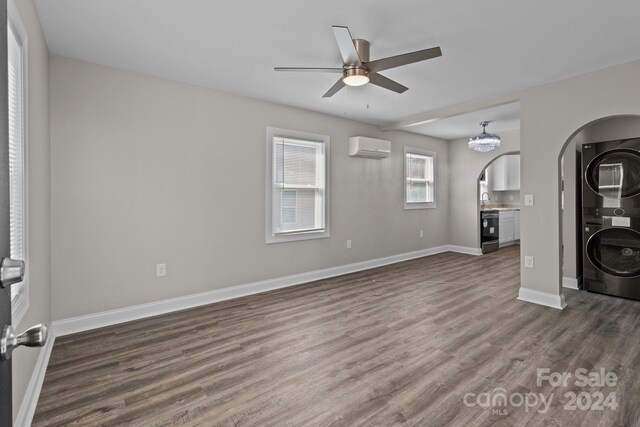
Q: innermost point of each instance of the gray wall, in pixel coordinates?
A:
(550, 115)
(145, 171)
(39, 198)
(614, 128)
(465, 166)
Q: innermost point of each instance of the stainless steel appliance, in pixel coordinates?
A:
(611, 217)
(489, 230)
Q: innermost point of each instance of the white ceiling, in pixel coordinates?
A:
(489, 47)
(502, 118)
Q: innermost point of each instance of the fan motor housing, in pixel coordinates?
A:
(362, 47)
(355, 71)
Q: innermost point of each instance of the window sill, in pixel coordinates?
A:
(419, 206)
(292, 237)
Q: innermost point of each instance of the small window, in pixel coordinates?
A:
(419, 174)
(484, 184)
(16, 46)
(297, 193)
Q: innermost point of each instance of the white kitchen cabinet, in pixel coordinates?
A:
(497, 174)
(506, 227)
(513, 173)
(505, 173)
(516, 225)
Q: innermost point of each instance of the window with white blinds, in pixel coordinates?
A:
(17, 162)
(297, 193)
(419, 168)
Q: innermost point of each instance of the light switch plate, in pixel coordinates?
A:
(528, 199)
(528, 261)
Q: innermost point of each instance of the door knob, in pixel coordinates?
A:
(11, 271)
(35, 336)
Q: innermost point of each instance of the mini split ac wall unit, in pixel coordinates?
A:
(371, 148)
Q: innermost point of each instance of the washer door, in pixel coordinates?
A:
(616, 251)
(615, 174)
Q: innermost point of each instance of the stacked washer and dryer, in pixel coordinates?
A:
(611, 217)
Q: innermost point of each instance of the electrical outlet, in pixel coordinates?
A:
(348, 244)
(161, 270)
(528, 261)
(421, 234)
(528, 199)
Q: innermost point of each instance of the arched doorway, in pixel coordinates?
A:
(481, 190)
(570, 182)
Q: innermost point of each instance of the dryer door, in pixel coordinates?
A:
(615, 174)
(615, 251)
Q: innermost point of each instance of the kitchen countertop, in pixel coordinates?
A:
(505, 209)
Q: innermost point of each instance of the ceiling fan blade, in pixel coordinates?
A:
(346, 46)
(404, 59)
(309, 69)
(334, 89)
(382, 81)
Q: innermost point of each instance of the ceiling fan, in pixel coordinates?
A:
(357, 70)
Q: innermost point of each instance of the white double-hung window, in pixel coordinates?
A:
(297, 186)
(16, 47)
(419, 179)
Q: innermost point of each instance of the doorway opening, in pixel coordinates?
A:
(498, 202)
(571, 233)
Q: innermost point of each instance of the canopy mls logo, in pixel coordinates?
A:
(502, 403)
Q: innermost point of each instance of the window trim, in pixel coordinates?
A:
(420, 152)
(270, 236)
(20, 306)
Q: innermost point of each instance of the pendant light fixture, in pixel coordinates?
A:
(485, 141)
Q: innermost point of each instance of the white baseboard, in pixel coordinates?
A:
(464, 250)
(570, 283)
(32, 394)
(126, 314)
(542, 298)
(511, 243)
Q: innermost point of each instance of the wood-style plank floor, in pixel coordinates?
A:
(397, 345)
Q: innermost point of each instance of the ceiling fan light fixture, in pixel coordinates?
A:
(485, 141)
(358, 70)
(355, 77)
